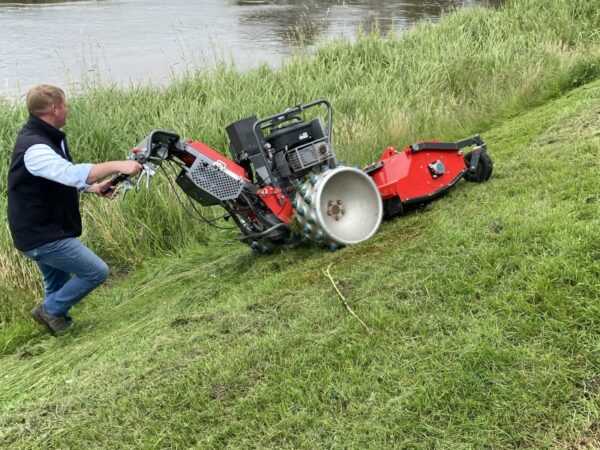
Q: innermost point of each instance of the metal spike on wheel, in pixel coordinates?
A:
(338, 207)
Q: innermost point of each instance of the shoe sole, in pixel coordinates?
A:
(35, 315)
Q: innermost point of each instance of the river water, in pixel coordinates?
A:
(133, 41)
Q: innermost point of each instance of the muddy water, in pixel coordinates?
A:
(128, 41)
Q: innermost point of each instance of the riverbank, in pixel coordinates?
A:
(89, 45)
(483, 311)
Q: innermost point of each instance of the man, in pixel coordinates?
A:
(43, 207)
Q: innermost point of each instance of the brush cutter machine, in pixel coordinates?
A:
(284, 167)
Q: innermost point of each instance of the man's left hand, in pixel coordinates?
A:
(98, 188)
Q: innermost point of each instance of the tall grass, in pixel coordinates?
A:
(443, 80)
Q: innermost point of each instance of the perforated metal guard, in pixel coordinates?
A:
(215, 181)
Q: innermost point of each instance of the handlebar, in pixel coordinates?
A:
(115, 180)
(150, 153)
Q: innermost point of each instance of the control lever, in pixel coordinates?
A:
(136, 154)
(116, 180)
(148, 171)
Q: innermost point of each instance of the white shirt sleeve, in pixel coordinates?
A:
(42, 161)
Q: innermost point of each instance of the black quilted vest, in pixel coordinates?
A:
(40, 210)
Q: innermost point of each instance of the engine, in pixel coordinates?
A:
(282, 148)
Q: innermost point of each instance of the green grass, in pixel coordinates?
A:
(484, 310)
(484, 307)
(445, 81)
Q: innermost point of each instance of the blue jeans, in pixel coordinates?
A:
(70, 270)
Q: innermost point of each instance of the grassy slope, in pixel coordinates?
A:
(484, 310)
(448, 80)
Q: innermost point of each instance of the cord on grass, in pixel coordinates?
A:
(344, 302)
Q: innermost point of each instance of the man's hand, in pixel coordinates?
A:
(130, 167)
(103, 170)
(104, 186)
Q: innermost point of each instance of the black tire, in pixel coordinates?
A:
(392, 208)
(482, 172)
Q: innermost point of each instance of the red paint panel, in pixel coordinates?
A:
(406, 174)
(216, 156)
(278, 203)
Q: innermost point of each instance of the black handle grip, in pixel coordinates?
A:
(116, 180)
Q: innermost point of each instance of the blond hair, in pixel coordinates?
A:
(41, 97)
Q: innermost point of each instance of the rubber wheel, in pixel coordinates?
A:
(483, 171)
(392, 208)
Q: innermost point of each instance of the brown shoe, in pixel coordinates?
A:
(56, 325)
